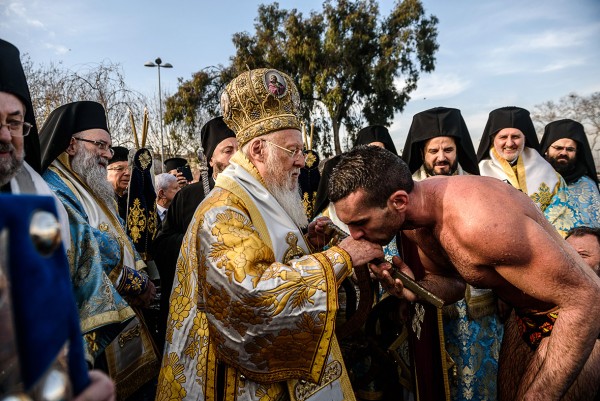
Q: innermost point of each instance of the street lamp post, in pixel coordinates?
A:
(158, 63)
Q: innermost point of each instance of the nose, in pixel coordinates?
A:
(510, 143)
(5, 136)
(299, 161)
(107, 154)
(356, 233)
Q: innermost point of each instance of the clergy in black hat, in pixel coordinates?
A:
(13, 81)
(76, 148)
(219, 144)
(509, 151)
(507, 117)
(571, 164)
(213, 133)
(119, 175)
(566, 148)
(440, 122)
(66, 121)
(376, 135)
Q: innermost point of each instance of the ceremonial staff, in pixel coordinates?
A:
(407, 281)
(203, 166)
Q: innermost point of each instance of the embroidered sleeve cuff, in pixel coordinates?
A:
(132, 282)
(341, 262)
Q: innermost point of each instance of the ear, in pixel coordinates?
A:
(161, 194)
(257, 151)
(398, 201)
(71, 148)
(211, 163)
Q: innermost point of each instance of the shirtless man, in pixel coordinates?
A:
(501, 241)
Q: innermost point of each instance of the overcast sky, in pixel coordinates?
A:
(492, 53)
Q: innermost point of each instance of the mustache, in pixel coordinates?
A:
(6, 147)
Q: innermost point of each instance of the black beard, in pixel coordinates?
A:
(431, 172)
(562, 168)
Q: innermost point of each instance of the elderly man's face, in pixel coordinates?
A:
(95, 141)
(222, 153)
(118, 175)
(171, 191)
(439, 156)
(11, 147)
(89, 154)
(588, 247)
(509, 143)
(283, 159)
(562, 155)
(283, 169)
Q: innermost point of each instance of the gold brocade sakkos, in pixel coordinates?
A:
(267, 325)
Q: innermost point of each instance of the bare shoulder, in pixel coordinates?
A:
(483, 211)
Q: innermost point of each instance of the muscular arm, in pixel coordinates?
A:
(544, 267)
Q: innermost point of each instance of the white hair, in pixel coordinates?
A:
(163, 181)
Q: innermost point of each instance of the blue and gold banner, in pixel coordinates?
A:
(142, 223)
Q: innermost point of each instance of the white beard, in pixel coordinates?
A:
(285, 189)
(291, 202)
(86, 165)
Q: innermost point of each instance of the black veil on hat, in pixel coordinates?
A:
(571, 129)
(121, 154)
(433, 123)
(12, 80)
(507, 117)
(211, 135)
(66, 121)
(375, 133)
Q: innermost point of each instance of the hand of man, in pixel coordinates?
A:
(181, 180)
(391, 285)
(148, 296)
(101, 388)
(361, 251)
(317, 234)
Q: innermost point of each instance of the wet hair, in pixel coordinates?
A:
(584, 230)
(375, 170)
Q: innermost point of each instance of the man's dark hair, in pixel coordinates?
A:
(377, 171)
(584, 230)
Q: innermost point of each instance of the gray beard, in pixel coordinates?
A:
(9, 170)
(85, 165)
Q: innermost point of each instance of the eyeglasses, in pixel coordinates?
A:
(294, 154)
(17, 128)
(99, 144)
(569, 149)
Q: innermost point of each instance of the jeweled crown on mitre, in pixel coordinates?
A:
(259, 102)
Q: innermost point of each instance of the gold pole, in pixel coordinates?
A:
(304, 134)
(134, 131)
(312, 130)
(145, 128)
